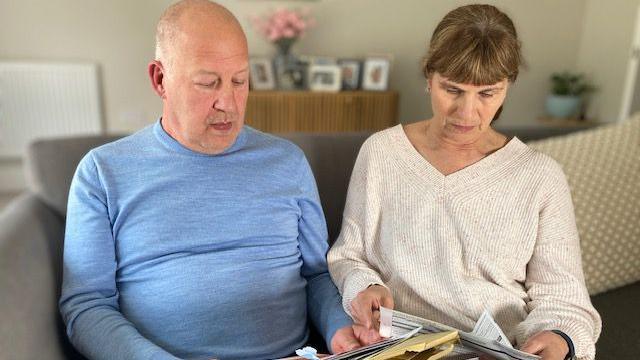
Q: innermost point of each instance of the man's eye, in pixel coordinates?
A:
(208, 84)
(239, 82)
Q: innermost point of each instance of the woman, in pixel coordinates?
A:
(446, 217)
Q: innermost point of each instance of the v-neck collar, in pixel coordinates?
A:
(480, 169)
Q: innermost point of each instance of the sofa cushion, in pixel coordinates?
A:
(602, 166)
(331, 157)
(620, 331)
(51, 164)
(30, 252)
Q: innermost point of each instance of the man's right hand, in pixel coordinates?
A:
(365, 310)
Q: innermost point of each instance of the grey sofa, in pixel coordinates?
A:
(32, 232)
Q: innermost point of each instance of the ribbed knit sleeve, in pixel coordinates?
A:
(558, 297)
(353, 257)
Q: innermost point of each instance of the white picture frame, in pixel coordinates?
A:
(375, 75)
(261, 73)
(325, 78)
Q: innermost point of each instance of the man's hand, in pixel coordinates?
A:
(548, 345)
(365, 310)
(344, 340)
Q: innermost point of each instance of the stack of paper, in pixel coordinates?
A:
(486, 338)
(412, 338)
(411, 346)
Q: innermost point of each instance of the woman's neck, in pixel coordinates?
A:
(448, 155)
(436, 140)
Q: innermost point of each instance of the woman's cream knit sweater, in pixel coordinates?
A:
(499, 234)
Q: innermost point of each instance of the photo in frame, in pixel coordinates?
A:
(375, 75)
(296, 74)
(325, 78)
(261, 73)
(350, 73)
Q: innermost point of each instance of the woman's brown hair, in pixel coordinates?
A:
(474, 44)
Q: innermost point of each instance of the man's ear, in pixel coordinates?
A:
(156, 75)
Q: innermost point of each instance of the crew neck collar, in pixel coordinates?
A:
(173, 144)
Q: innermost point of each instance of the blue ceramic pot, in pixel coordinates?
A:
(563, 106)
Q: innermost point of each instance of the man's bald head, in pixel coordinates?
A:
(192, 18)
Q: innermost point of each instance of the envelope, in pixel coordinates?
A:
(421, 347)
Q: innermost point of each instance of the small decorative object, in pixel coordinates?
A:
(324, 78)
(283, 28)
(308, 352)
(350, 73)
(375, 75)
(567, 92)
(261, 71)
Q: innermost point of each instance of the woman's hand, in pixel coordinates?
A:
(344, 340)
(365, 310)
(548, 345)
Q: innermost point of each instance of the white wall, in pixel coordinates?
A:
(605, 49)
(118, 35)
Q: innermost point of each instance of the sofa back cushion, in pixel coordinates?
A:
(602, 166)
(331, 157)
(52, 163)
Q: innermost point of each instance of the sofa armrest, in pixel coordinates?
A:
(31, 235)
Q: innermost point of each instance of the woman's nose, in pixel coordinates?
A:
(466, 107)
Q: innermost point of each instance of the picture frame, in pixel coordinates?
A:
(296, 75)
(350, 69)
(325, 78)
(261, 73)
(375, 75)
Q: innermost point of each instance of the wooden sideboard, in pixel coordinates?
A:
(305, 111)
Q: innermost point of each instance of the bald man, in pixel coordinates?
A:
(198, 237)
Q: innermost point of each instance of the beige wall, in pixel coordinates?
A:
(118, 35)
(604, 53)
(355, 28)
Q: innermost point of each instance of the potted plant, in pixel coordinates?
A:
(567, 91)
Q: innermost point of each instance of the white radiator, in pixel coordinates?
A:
(40, 100)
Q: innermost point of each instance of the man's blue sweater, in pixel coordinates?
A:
(170, 252)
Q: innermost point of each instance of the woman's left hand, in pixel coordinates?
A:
(548, 345)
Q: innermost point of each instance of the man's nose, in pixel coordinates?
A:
(224, 99)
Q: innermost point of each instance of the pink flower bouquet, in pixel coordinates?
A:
(283, 24)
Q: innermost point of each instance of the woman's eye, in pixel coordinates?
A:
(486, 95)
(453, 91)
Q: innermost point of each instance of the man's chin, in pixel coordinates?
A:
(219, 141)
